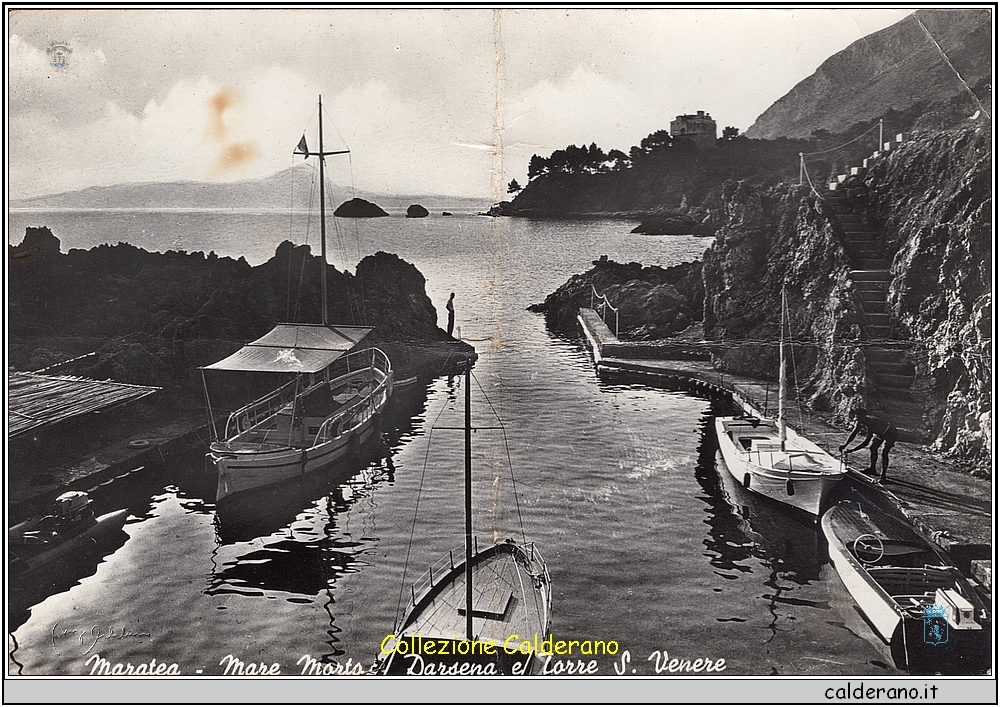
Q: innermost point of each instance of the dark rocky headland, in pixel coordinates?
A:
(153, 318)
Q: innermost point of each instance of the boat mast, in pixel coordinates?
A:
(322, 215)
(303, 150)
(782, 382)
(468, 500)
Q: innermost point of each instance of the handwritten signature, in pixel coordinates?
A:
(93, 635)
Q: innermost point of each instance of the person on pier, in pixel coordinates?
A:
(451, 313)
(877, 429)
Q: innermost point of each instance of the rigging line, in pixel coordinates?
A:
(832, 149)
(952, 67)
(357, 241)
(291, 219)
(416, 507)
(510, 464)
(795, 372)
(805, 170)
(305, 255)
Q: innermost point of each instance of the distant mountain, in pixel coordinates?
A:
(895, 68)
(294, 188)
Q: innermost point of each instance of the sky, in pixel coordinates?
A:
(429, 101)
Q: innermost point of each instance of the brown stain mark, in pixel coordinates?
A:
(235, 154)
(25, 252)
(217, 107)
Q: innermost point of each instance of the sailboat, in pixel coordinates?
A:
(485, 614)
(328, 408)
(770, 458)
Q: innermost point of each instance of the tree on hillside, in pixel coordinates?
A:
(730, 133)
(513, 187)
(537, 166)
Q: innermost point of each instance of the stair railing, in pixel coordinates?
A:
(605, 305)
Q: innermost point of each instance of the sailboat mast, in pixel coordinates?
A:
(782, 382)
(322, 216)
(468, 501)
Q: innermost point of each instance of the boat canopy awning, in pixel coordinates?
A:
(293, 348)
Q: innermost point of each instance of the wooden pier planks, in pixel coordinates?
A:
(35, 400)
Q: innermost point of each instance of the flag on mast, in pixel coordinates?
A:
(302, 148)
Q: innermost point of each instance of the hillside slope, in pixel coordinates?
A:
(893, 69)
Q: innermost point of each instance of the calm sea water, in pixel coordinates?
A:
(618, 485)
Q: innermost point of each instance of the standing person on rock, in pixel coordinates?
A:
(451, 313)
(884, 432)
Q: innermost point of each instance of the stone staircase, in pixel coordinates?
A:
(889, 363)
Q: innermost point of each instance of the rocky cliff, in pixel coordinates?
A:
(930, 202)
(933, 201)
(931, 57)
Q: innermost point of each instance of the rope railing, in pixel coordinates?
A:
(803, 170)
(605, 305)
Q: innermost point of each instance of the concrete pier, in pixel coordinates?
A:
(949, 507)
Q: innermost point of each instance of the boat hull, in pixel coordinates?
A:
(247, 461)
(511, 616)
(896, 590)
(103, 525)
(241, 473)
(804, 489)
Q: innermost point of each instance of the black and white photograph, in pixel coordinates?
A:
(603, 344)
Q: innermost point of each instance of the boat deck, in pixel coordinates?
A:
(504, 602)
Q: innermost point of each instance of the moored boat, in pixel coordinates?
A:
(69, 527)
(769, 458)
(324, 413)
(908, 589)
(478, 614)
(327, 409)
(794, 471)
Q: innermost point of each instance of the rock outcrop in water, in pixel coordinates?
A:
(417, 211)
(153, 318)
(359, 208)
(653, 302)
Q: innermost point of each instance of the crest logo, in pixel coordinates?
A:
(935, 625)
(59, 55)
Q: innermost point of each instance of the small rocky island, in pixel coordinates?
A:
(359, 208)
(417, 211)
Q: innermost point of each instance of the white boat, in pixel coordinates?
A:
(327, 409)
(70, 527)
(769, 458)
(908, 589)
(484, 613)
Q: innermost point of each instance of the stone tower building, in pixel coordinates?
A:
(700, 128)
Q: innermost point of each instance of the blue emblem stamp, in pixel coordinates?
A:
(59, 55)
(935, 625)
